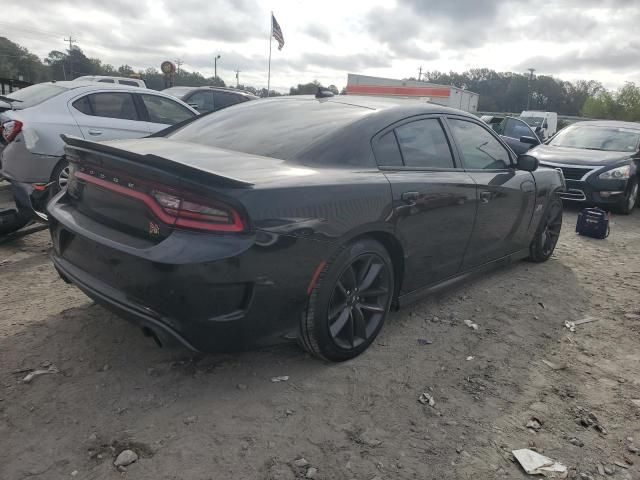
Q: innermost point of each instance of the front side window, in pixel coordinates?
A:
(480, 150)
(516, 129)
(165, 111)
(109, 104)
(424, 144)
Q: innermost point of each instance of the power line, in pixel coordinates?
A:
(71, 42)
(178, 64)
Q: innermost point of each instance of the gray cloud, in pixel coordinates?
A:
(318, 32)
(621, 58)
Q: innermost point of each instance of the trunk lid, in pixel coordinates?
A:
(145, 188)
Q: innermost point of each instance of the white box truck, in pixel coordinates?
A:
(545, 124)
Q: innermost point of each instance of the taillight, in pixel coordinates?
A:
(199, 214)
(174, 208)
(11, 129)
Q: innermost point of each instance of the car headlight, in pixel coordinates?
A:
(619, 173)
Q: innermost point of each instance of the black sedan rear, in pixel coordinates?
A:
(600, 161)
(296, 218)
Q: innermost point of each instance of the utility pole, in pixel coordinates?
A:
(531, 70)
(420, 73)
(215, 67)
(71, 42)
(237, 78)
(178, 64)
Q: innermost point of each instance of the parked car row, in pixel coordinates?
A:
(97, 108)
(306, 217)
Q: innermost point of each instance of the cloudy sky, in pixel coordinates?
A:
(570, 39)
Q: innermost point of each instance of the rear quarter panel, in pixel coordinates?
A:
(329, 205)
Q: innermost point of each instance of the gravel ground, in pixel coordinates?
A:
(221, 417)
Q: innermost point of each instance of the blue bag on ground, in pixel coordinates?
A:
(593, 222)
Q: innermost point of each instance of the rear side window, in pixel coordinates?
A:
(106, 80)
(225, 99)
(108, 104)
(387, 151)
(424, 144)
(83, 105)
(165, 111)
(128, 82)
(480, 149)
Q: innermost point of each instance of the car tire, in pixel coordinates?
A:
(349, 303)
(59, 177)
(547, 234)
(12, 220)
(630, 198)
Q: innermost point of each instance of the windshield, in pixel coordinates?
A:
(611, 139)
(533, 121)
(35, 94)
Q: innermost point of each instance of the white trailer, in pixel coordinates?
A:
(545, 124)
(446, 95)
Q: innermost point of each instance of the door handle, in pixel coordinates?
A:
(486, 196)
(93, 131)
(410, 197)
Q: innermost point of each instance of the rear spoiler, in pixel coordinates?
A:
(164, 164)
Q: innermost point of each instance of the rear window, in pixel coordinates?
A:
(277, 128)
(178, 92)
(35, 94)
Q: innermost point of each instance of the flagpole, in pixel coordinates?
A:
(270, 37)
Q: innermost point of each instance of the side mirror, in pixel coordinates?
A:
(529, 140)
(527, 163)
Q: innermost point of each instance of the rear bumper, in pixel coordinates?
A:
(29, 201)
(113, 300)
(212, 293)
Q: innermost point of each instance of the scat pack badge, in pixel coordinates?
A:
(154, 228)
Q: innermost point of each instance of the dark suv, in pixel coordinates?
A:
(210, 99)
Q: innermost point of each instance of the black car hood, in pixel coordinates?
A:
(576, 156)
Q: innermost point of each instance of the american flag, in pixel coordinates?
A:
(277, 32)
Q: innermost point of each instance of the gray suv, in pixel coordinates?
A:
(210, 99)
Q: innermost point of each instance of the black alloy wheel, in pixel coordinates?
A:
(359, 300)
(350, 302)
(546, 238)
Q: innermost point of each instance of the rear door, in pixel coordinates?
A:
(506, 196)
(433, 199)
(163, 112)
(108, 116)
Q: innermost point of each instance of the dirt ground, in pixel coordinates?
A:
(221, 417)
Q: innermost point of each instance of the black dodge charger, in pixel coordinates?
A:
(296, 218)
(600, 161)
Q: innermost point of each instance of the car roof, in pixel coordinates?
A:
(609, 123)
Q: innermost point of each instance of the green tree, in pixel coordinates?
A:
(17, 62)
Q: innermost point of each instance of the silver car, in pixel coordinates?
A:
(32, 120)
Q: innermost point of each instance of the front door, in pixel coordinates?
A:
(506, 196)
(433, 201)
